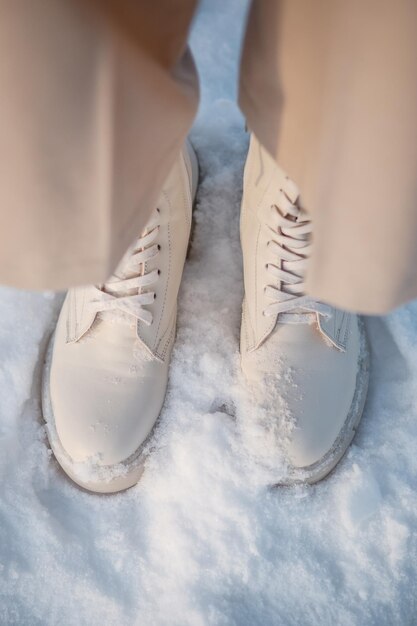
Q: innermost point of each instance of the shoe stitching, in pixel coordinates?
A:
(169, 271)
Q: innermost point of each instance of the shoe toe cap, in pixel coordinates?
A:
(104, 416)
(317, 384)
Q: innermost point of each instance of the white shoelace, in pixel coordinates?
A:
(123, 291)
(290, 244)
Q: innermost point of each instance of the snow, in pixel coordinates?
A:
(202, 540)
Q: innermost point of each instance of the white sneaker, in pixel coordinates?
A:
(106, 370)
(315, 355)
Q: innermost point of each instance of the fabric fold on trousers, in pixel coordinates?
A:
(97, 98)
(330, 89)
(91, 122)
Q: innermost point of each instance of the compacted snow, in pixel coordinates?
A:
(202, 540)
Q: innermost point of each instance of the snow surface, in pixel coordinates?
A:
(201, 540)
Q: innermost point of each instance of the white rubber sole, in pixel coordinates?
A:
(317, 471)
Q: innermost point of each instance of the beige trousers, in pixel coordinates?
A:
(97, 96)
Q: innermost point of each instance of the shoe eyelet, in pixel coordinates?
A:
(159, 247)
(158, 209)
(154, 296)
(159, 272)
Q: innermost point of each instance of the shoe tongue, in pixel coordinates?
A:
(291, 266)
(297, 316)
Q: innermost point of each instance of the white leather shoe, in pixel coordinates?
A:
(313, 355)
(106, 370)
